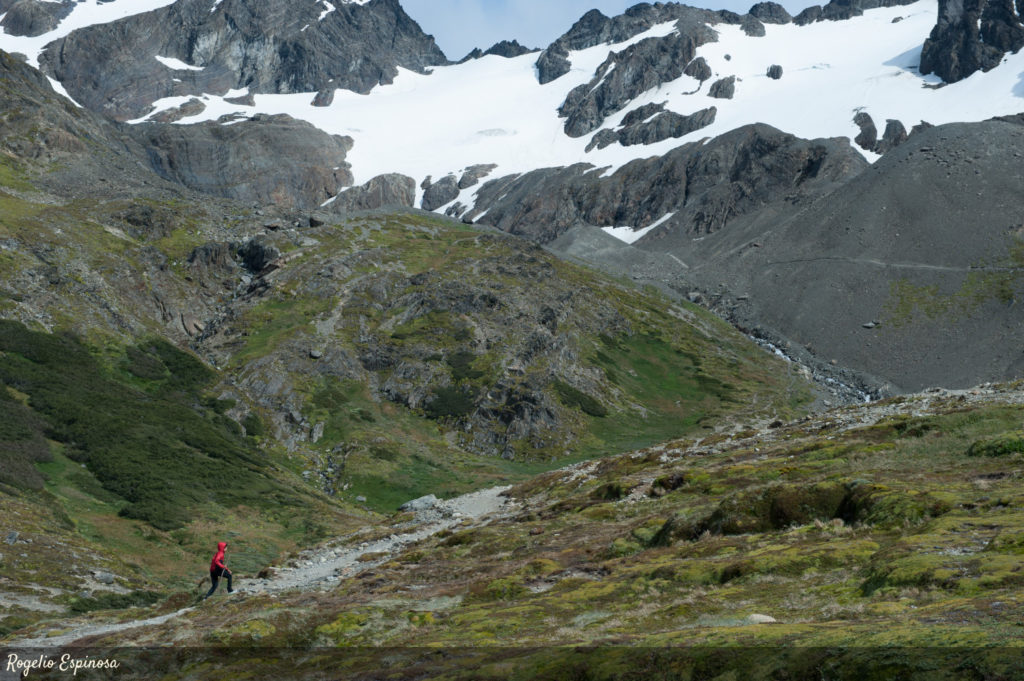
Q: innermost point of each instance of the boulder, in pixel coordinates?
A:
(868, 137)
(774, 72)
(422, 504)
(389, 190)
(723, 88)
(439, 193)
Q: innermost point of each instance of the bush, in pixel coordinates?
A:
(1002, 445)
(450, 402)
(575, 399)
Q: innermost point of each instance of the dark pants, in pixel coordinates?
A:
(215, 575)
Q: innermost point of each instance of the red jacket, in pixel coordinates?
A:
(218, 558)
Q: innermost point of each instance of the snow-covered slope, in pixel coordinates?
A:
(493, 110)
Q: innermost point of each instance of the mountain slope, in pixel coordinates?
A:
(234, 48)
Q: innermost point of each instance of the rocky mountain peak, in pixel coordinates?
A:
(254, 46)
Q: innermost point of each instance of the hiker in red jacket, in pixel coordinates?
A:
(218, 569)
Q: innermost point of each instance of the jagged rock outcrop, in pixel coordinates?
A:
(265, 159)
(504, 48)
(474, 174)
(622, 77)
(705, 185)
(699, 69)
(895, 134)
(770, 13)
(838, 10)
(267, 46)
(384, 191)
(652, 123)
(436, 194)
(970, 36)
(752, 27)
(868, 137)
(594, 28)
(723, 88)
(33, 17)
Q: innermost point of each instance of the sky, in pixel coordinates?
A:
(460, 25)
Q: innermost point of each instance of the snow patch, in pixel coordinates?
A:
(630, 235)
(177, 64)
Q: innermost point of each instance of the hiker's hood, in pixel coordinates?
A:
(222, 545)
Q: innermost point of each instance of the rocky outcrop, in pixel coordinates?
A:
(770, 13)
(265, 159)
(724, 88)
(473, 174)
(33, 17)
(838, 10)
(971, 36)
(752, 27)
(868, 136)
(439, 193)
(652, 123)
(504, 48)
(594, 28)
(384, 191)
(622, 77)
(706, 185)
(268, 46)
(698, 69)
(895, 134)
(774, 72)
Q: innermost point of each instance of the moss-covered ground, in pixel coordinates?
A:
(885, 538)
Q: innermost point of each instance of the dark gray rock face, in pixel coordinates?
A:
(770, 13)
(868, 137)
(705, 185)
(624, 76)
(970, 36)
(384, 191)
(255, 44)
(439, 193)
(33, 17)
(752, 27)
(724, 88)
(504, 48)
(603, 138)
(266, 159)
(553, 63)
(474, 174)
(838, 10)
(775, 72)
(699, 69)
(594, 28)
(652, 123)
(895, 134)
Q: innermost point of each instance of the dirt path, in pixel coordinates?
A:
(316, 569)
